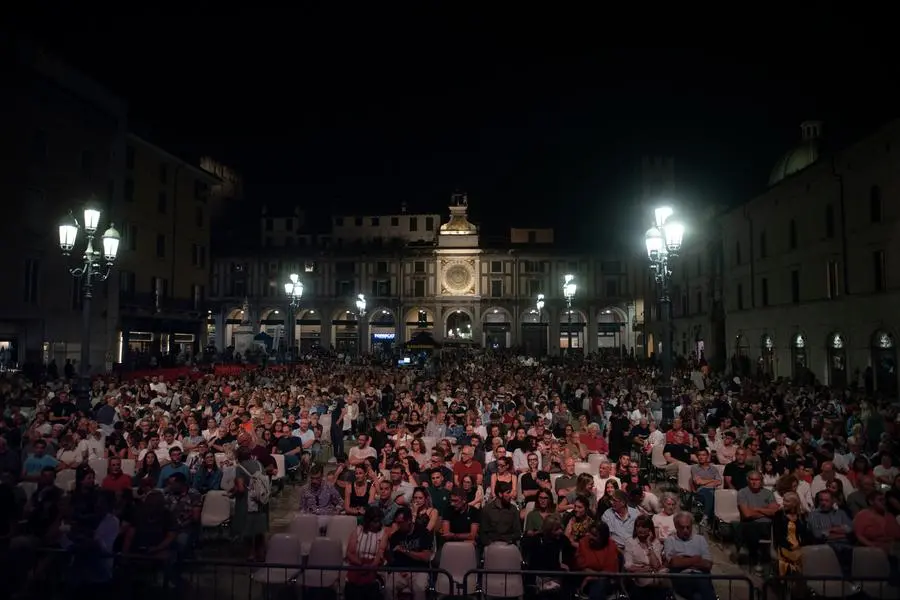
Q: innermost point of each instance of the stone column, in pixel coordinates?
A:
(590, 331)
(553, 342)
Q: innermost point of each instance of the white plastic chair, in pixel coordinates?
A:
(340, 528)
(305, 527)
(582, 467)
(129, 466)
(100, 467)
(595, 460)
(521, 496)
(721, 470)
(658, 460)
(873, 562)
(726, 506)
(228, 474)
(280, 470)
(29, 488)
(503, 557)
(821, 561)
(430, 443)
(283, 549)
(684, 478)
(325, 422)
(324, 552)
(457, 558)
(216, 509)
(65, 480)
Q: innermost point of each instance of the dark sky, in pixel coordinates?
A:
(351, 118)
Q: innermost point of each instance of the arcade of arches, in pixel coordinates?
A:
(385, 328)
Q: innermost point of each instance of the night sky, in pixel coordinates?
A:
(359, 118)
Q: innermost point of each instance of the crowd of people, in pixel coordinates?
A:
(554, 457)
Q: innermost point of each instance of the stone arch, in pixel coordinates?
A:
(612, 323)
(836, 348)
(496, 314)
(383, 315)
(497, 324)
(459, 324)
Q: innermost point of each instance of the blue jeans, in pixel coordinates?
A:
(291, 461)
(708, 498)
(598, 589)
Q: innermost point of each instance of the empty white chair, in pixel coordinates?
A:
(305, 527)
(684, 477)
(521, 496)
(325, 422)
(28, 487)
(457, 558)
(280, 470)
(340, 528)
(503, 557)
(430, 443)
(324, 552)
(595, 460)
(658, 457)
(820, 561)
(283, 549)
(726, 509)
(65, 480)
(227, 478)
(129, 466)
(216, 509)
(873, 562)
(100, 467)
(582, 467)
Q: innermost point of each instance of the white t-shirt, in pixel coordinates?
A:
(882, 473)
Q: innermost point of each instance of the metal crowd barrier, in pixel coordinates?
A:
(55, 574)
(571, 585)
(834, 586)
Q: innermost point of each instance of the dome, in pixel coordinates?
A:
(802, 155)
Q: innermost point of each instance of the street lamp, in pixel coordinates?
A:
(663, 242)
(569, 288)
(94, 268)
(294, 290)
(361, 311)
(540, 307)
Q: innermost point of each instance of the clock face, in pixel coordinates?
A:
(458, 278)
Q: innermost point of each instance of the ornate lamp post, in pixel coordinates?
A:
(361, 312)
(95, 267)
(663, 242)
(294, 290)
(569, 288)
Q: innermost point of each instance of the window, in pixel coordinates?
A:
(429, 223)
(381, 267)
(829, 221)
(201, 190)
(611, 266)
(831, 279)
(87, 162)
(792, 235)
(740, 297)
(685, 304)
(532, 237)
(764, 291)
(163, 173)
(878, 270)
(161, 201)
(612, 288)
(419, 288)
(160, 246)
(763, 250)
(376, 221)
(358, 221)
(381, 287)
(129, 157)
(395, 221)
(413, 224)
(198, 254)
(309, 267)
(875, 206)
(126, 283)
(496, 266)
(32, 278)
(159, 287)
(419, 266)
(496, 288)
(198, 217)
(795, 287)
(535, 287)
(737, 253)
(129, 189)
(343, 288)
(699, 301)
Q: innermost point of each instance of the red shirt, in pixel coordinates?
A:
(118, 483)
(460, 469)
(605, 560)
(680, 437)
(594, 444)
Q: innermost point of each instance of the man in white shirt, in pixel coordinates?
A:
(159, 386)
(820, 481)
(603, 475)
(656, 436)
(362, 451)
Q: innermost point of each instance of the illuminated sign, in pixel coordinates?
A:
(383, 336)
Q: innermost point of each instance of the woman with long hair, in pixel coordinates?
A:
(504, 473)
(644, 555)
(424, 515)
(597, 553)
(208, 476)
(474, 492)
(789, 533)
(584, 488)
(360, 493)
(417, 451)
(543, 508)
(365, 548)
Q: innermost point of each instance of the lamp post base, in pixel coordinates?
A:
(668, 406)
